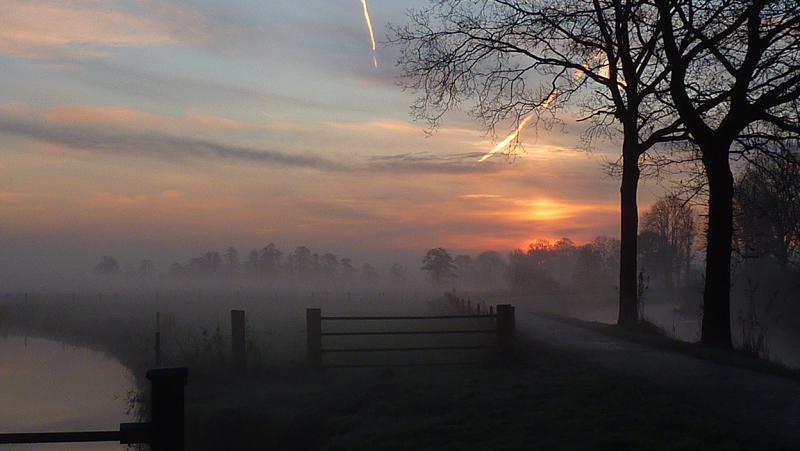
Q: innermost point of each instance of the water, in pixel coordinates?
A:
(47, 386)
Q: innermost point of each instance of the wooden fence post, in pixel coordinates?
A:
(167, 423)
(506, 330)
(238, 346)
(314, 334)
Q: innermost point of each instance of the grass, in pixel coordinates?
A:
(544, 402)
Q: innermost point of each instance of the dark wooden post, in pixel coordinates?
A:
(314, 333)
(506, 330)
(167, 423)
(238, 347)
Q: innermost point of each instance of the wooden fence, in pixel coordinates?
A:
(164, 432)
(502, 326)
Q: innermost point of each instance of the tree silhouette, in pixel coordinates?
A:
(301, 260)
(397, 273)
(602, 56)
(439, 265)
(767, 213)
(232, 263)
(347, 268)
(269, 259)
(672, 222)
(108, 266)
(329, 263)
(206, 264)
(735, 82)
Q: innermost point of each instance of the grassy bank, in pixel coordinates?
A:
(544, 402)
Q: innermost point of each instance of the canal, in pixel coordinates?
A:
(47, 386)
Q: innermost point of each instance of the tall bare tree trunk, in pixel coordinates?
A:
(628, 302)
(716, 327)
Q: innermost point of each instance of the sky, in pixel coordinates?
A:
(161, 129)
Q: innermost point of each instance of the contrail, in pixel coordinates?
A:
(513, 135)
(371, 34)
(546, 104)
(508, 139)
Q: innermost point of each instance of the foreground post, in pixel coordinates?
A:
(167, 423)
(314, 337)
(238, 347)
(506, 330)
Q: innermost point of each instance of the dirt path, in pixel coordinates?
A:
(754, 401)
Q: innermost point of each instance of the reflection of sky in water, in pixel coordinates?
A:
(48, 387)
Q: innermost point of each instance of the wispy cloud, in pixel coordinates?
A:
(152, 144)
(338, 211)
(52, 29)
(9, 198)
(138, 120)
(409, 163)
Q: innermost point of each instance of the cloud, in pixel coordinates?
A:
(8, 198)
(341, 211)
(152, 144)
(139, 120)
(166, 200)
(422, 163)
(51, 29)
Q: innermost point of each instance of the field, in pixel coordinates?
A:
(541, 400)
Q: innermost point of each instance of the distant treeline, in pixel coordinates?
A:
(267, 263)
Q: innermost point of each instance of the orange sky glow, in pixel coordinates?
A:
(162, 129)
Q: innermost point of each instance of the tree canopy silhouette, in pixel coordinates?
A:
(523, 60)
(735, 82)
(439, 264)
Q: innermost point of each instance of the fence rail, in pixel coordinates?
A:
(503, 323)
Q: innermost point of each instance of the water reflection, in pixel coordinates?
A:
(48, 386)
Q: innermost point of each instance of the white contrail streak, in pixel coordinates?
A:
(371, 34)
(513, 135)
(508, 139)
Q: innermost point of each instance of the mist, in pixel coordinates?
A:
(561, 277)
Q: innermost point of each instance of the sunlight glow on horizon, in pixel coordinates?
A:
(179, 128)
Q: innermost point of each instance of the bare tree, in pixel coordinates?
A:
(672, 222)
(767, 207)
(735, 82)
(525, 59)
